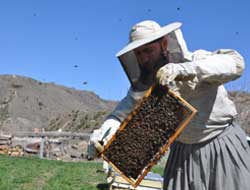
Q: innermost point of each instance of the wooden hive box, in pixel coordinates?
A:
(146, 134)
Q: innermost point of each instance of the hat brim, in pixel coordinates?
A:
(135, 44)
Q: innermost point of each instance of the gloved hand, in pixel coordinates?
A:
(166, 74)
(100, 137)
(94, 150)
(173, 71)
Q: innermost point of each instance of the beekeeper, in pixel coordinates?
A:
(212, 151)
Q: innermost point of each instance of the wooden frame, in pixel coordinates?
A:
(160, 153)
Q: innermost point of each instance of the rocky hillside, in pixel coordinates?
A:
(26, 104)
(242, 102)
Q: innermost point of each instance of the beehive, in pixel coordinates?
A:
(146, 134)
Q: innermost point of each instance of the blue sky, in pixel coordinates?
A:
(74, 42)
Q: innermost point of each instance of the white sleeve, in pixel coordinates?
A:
(218, 67)
(127, 104)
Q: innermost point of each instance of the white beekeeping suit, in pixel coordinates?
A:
(209, 71)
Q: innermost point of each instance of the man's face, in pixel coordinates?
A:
(148, 55)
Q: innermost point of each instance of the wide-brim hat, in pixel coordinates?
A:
(146, 32)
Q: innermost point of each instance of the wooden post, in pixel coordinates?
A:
(42, 145)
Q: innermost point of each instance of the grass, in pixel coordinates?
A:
(36, 174)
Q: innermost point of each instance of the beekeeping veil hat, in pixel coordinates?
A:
(143, 33)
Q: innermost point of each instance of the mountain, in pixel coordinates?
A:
(26, 104)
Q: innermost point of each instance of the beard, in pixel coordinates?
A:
(147, 75)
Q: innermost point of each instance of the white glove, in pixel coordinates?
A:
(170, 72)
(166, 74)
(101, 135)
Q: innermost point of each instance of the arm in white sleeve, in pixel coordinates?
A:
(219, 67)
(127, 104)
